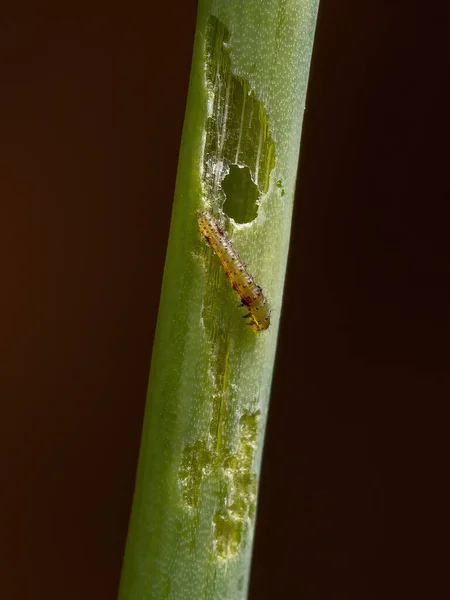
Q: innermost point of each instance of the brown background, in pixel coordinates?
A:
(91, 111)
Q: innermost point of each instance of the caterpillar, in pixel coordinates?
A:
(250, 293)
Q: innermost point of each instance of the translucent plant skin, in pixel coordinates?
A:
(193, 517)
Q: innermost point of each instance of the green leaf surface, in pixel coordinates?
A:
(193, 514)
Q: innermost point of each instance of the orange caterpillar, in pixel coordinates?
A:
(242, 281)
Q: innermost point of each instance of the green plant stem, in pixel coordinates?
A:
(192, 522)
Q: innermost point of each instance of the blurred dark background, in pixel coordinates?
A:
(352, 499)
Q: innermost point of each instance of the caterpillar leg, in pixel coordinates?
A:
(247, 316)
